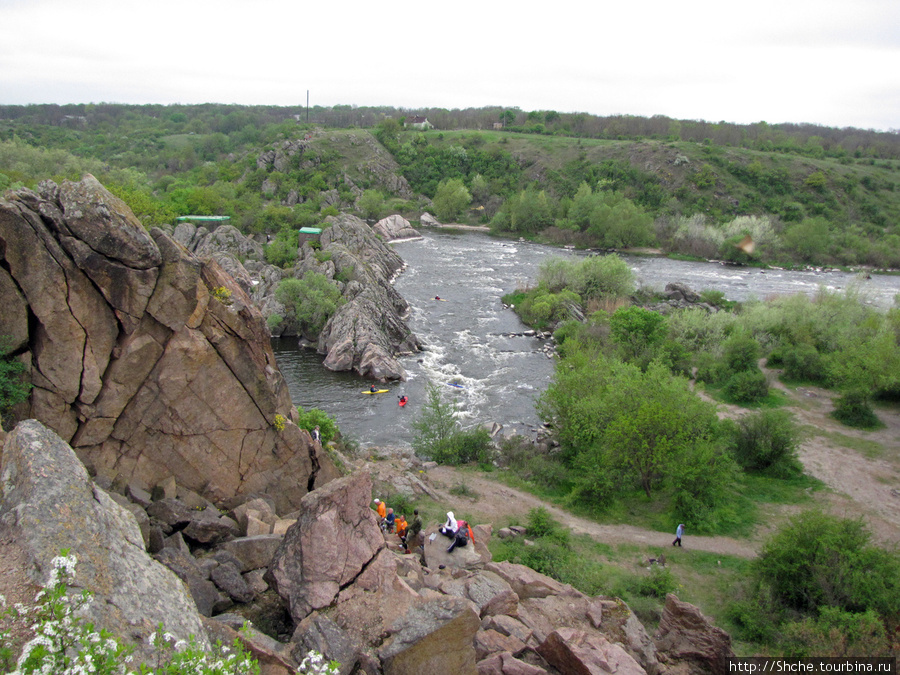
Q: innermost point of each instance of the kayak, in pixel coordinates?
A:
(402, 403)
(453, 384)
(380, 391)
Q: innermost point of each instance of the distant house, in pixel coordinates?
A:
(417, 122)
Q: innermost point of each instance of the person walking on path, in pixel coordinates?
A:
(678, 532)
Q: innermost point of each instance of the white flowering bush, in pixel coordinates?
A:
(314, 664)
(65, 644)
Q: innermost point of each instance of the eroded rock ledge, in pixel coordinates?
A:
(150, 361)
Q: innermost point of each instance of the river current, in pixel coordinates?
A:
(473, 342)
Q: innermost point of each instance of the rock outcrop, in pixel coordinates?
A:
(149, 361)
(369, 332)
(49, 504)
(395, 227)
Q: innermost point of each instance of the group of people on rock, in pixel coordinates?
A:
(408, 532)
(458, 531)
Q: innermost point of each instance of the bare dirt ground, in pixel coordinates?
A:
(859, 485)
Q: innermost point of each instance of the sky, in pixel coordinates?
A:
(835, 63)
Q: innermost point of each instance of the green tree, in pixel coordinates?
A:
(436, 425)
(451, 199)
(617, 421)
(313, 300)
(371, 204)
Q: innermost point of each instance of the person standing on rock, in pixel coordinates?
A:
(678, 532)
(381, 508)
(317, 436)
(412, 532)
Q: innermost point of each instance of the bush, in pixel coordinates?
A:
(473, 445)
(657, 584)
(768, 441)
(542, 525)
(747, 386)
(313, 417)
(802, 363)
(14, 388)
(741, 352)
(836, 633)
(855, 410)
(819, 560)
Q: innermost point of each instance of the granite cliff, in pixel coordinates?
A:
(150, 361)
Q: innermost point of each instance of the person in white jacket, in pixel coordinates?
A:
(449, 528)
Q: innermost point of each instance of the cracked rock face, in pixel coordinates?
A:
(150, 361)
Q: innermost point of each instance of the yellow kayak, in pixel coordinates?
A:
(379, 391)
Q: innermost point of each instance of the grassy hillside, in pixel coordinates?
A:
(815, 201)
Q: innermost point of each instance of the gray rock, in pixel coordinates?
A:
(253, 552)
(49, 504)
(228, 579)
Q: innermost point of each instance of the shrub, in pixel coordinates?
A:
(741, 352)
(854, 410)
(541, 524)
(313, 417)
(657, 584)
(768, 441)
(462, 447)
(747, 386)
(819, 560)
(836, 633)
(14, 388)
(802, 363)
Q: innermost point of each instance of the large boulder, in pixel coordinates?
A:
(395, 227)
(333, 540)
(574, 651)
(686, 637)
(436, 636)
(49, 503)
(127, 334)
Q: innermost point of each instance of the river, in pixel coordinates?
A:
(468, 334)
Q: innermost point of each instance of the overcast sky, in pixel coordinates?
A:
(834, 62)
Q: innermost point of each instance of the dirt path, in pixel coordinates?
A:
(497, 503)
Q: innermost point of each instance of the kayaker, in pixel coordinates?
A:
(403, 400)
(372, 388)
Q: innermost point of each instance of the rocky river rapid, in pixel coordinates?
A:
(473, 341)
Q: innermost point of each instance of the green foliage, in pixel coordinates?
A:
(64, 643)
(371, 204)
(542, 525)
(282, 250)
(451, 199)
(621, 426)
(854, 408)
(819, 560)
(439, 436)
(638, 333)
(658, 584)
(768, 442)
(747, 386)
(310, 419)
(313, 300)
(837, 633)
(14, 387)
